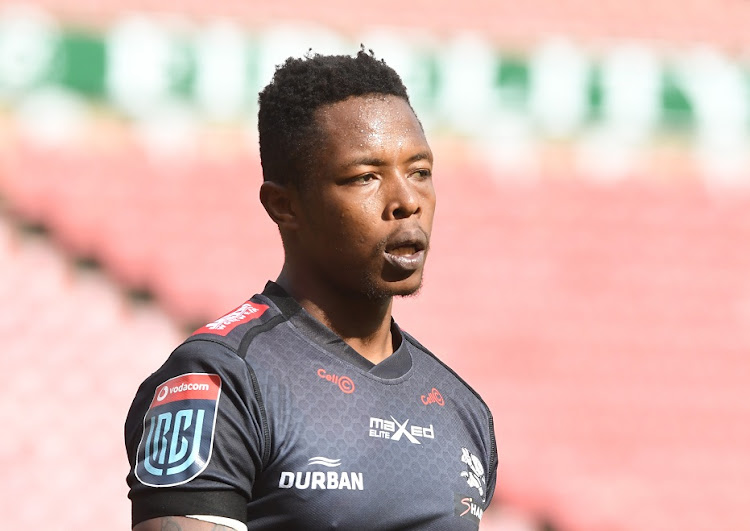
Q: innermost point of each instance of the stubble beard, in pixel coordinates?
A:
(377, 289)
(376, 293)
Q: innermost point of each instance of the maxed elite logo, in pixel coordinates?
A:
(322, 479)
(394, 430)
(344, 382)
(178, 430)
(223, 325)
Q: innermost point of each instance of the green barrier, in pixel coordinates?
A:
(677, 111)
(82, 63)
(513, 81)
(36, 54)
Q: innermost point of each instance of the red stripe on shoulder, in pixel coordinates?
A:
(242, 314)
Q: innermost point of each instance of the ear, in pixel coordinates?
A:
(279, 203)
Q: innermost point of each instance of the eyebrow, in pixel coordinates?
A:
(374, 161)
(422, 155)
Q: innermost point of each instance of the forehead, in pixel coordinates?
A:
(365, 123)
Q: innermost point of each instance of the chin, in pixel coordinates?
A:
(385, 290)
(409, 293)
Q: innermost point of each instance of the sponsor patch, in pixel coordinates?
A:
(242, 314)
(178, 430)
(394, 430)
(433, 397)
(467, 507)
(344, 382)
(322, 479)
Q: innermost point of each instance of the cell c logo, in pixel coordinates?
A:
(433, 398)
(344, 382)
(346, 385)
(163, 392)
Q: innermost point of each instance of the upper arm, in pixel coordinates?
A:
(179, 523)
(194, 438)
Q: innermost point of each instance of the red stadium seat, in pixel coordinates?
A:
(74, 352)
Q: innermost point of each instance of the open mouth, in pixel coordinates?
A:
(407, 251)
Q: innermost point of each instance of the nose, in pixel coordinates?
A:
(403, 199)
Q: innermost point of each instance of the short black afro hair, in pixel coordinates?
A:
(286, 122)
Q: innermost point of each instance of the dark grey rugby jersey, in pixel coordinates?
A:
(267, 416)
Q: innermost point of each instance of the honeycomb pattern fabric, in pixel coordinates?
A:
(308, 434)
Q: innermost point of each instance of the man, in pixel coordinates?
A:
(307, 407)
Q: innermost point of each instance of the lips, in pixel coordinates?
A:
(406, 250)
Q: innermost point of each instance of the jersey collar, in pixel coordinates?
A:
(394, 366)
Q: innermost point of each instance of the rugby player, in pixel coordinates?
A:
(307, 406)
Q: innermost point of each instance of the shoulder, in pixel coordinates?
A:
(441, 366)
(218, 347)
(238, 325)
(211, 355)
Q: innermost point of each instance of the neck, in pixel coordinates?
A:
(364, 324)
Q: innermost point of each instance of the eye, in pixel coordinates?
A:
(361, 179)
(422, 174)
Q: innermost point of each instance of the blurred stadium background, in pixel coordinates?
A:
(590, 273)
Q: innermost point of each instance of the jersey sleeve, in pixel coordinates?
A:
(194, 436)
(493, 460)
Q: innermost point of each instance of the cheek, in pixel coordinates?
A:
(429, 208)
(352, 231)
(360, 220)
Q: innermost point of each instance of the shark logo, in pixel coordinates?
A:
(475, 473)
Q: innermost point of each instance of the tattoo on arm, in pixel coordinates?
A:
(167, 524)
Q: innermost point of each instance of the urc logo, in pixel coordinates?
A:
(344, 382)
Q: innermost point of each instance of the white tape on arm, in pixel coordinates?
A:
(220, 520)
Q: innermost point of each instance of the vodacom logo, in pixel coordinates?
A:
(344, 382)
(183, 387)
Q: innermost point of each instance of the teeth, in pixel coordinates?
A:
(403, 251)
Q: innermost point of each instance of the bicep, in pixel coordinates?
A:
(220, 454)
(179, 523)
